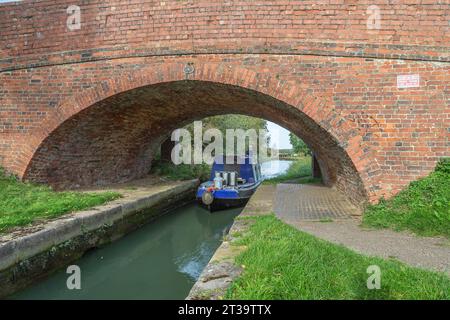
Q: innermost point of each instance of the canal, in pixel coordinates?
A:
(161, 260)
(273, 168)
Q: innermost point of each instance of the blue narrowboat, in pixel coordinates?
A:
(230, 185)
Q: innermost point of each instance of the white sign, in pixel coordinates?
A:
(408, 81)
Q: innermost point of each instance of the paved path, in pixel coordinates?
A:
(311, 202)
(303, 206)
(427, 253)
(261, 202)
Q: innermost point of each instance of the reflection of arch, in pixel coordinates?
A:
(346, 160)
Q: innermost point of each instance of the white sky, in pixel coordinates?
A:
(279, 136)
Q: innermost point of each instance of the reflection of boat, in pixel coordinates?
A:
(233, 181)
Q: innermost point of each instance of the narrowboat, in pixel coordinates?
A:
(230, 185)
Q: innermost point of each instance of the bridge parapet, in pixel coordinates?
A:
(37, 33)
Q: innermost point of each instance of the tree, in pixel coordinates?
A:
(298, 145)
(231, 121)
(234, 121)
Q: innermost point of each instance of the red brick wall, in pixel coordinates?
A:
(89, 106)
(39, 27)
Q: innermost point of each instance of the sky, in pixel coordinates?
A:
(278, 136)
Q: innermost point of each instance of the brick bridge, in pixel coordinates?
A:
(90, 105)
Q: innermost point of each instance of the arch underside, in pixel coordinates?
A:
(115, 139)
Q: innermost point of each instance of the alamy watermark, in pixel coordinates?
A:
(73, 21)
(374, 19)
(205, 147)
(74, 280)
(374, 280)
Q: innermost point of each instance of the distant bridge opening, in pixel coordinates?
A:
(116, 138)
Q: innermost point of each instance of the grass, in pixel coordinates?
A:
(283, 263)
(24, 203)
(182, 171)
(423, 207)
(298, 170)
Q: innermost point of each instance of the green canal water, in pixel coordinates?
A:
(161, 260)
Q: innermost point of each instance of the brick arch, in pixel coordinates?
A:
(344, 133)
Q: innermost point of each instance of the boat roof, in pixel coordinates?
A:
(242, 165)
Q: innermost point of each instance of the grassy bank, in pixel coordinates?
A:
(23, 203)
(299, 171)
(182, 171)
(423, 207)
(283, 263)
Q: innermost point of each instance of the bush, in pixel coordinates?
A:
(182, 171)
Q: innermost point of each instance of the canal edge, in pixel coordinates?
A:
(221, 270)
(26, 259)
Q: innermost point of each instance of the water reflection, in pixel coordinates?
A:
(271, 169)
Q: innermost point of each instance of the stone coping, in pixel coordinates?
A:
(221, 270)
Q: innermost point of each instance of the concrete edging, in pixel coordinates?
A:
(221, 269)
